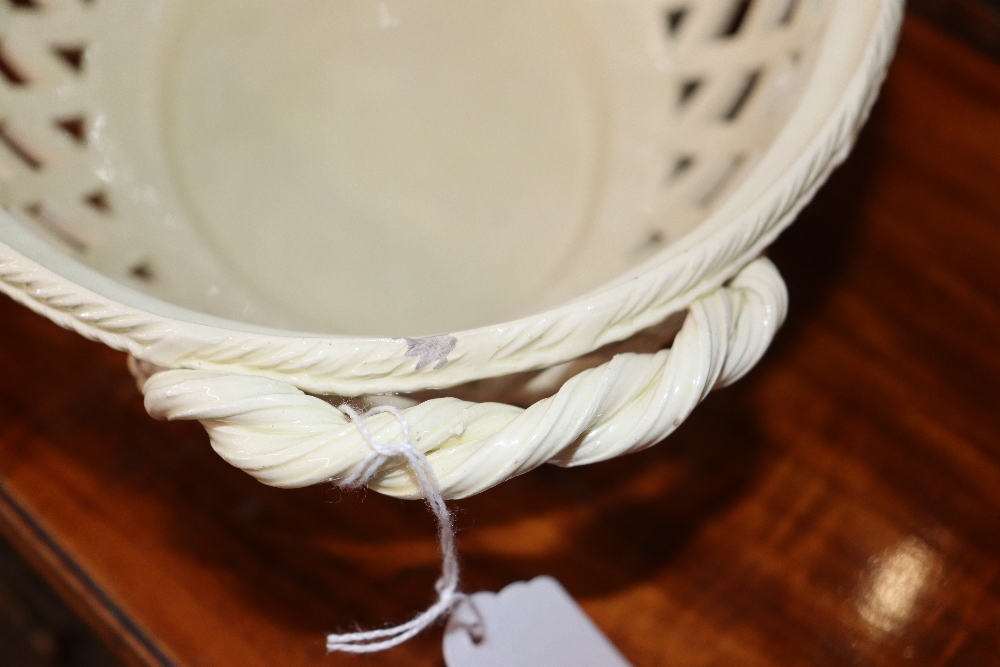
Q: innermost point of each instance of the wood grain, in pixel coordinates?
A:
(837, 507)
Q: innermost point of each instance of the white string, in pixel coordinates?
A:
(449, 596)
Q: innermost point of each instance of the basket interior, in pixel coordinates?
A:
(385, 168)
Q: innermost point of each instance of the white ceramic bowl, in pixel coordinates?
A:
(257, 200)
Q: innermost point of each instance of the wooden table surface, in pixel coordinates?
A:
(839, 506)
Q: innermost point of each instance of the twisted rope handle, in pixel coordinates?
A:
(286, 438)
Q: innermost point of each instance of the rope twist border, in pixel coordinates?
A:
(286, 438)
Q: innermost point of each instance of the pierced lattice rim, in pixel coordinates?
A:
(125, 319)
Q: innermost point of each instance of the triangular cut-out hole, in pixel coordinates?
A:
(653, 239)
(142, 271)
(687, 92)
(674, 19)
(740, 101)
(722, 181)
(737, 16)
(99, 201)
(20, 150)
(682, 165)
(10, 72)
(38, 213)
(72, 56)
(789, 14)
(75, 127)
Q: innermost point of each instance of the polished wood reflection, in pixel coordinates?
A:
(839, 506)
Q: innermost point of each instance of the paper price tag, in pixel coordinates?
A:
(528, 624)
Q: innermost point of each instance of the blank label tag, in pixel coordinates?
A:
(529, 624)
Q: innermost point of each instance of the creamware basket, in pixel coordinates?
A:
(534, 226)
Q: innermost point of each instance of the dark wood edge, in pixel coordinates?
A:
(975, 22)
(73, 585)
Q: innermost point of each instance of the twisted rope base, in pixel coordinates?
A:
(286, 438)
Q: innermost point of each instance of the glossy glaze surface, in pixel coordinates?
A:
(838, 506)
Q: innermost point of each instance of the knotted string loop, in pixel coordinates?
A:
(449, 596)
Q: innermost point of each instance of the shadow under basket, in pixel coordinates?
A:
(493, 216)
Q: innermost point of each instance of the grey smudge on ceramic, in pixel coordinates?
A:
(431, 350)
